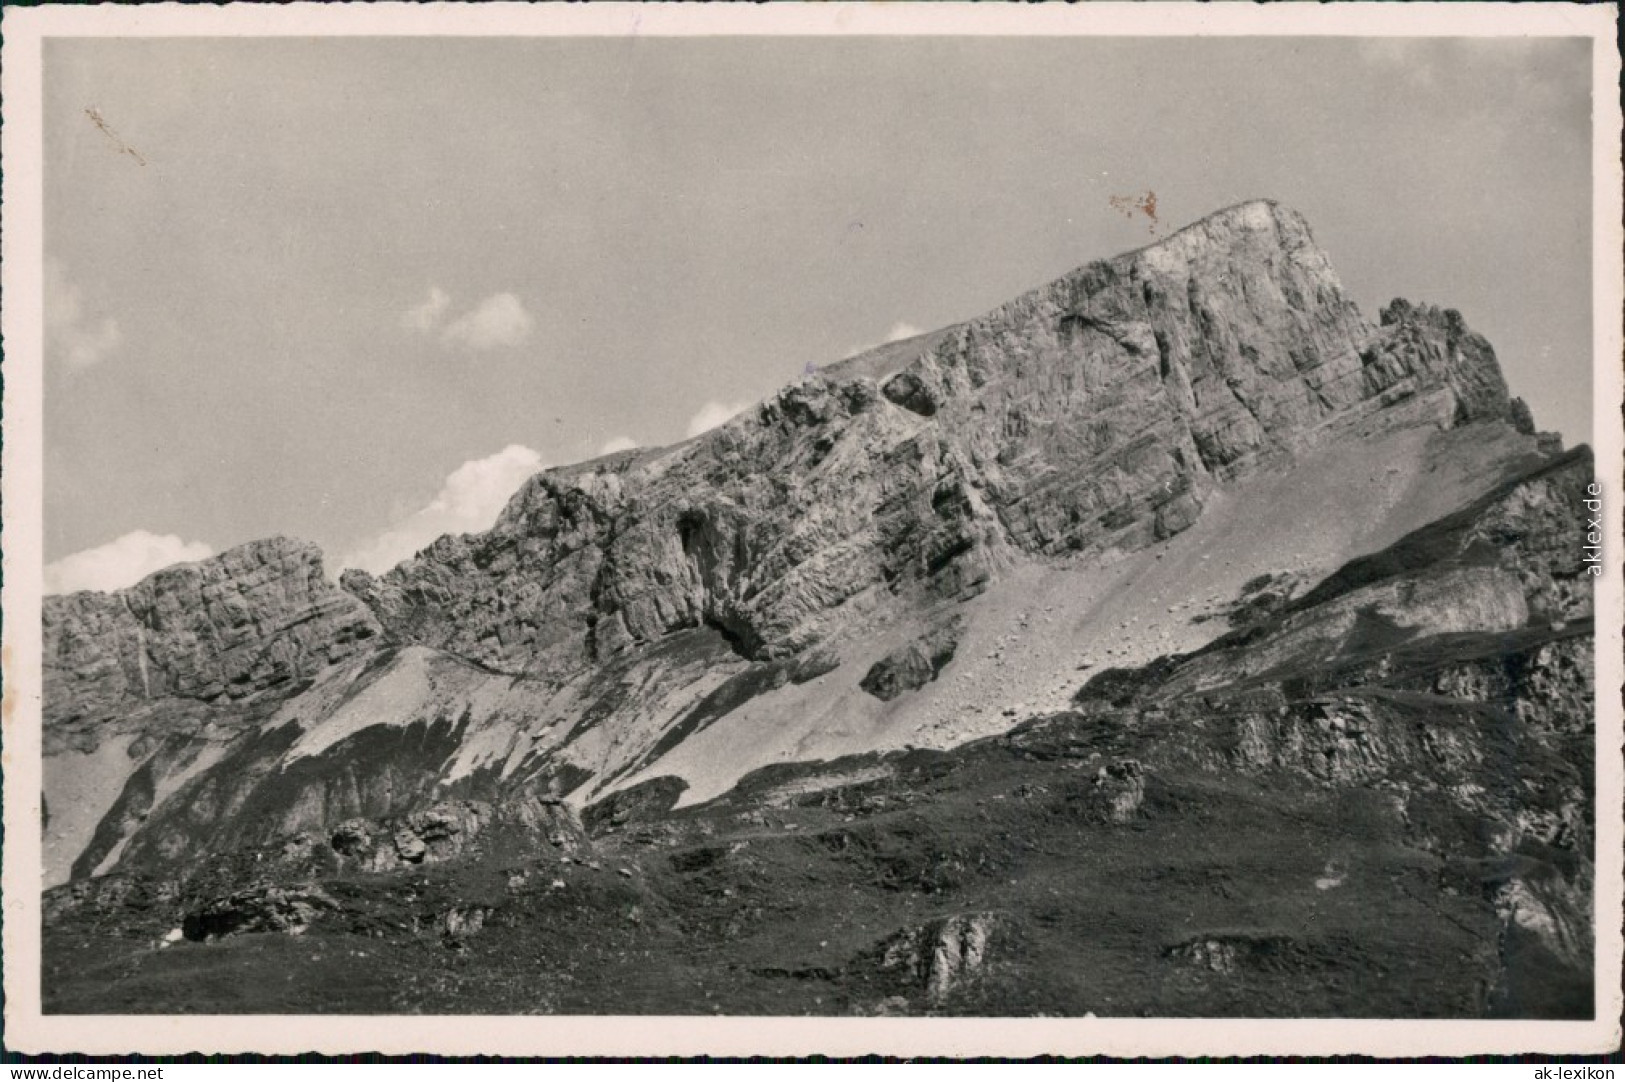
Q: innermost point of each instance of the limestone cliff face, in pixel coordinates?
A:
(1095, 412)
(254, 617)
(619, 608)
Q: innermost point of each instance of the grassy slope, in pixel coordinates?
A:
(752, 909)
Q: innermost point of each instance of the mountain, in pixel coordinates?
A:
(1177, 543)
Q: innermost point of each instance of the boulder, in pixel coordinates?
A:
(916, 663)
(289, 910)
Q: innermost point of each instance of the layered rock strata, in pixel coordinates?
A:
(620, 607)
(1095, 412)
(255, 617)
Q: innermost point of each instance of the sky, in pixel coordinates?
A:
(355, 291)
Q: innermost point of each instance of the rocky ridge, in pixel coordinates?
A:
(1094, 413)
(253, 618)
(619, 608)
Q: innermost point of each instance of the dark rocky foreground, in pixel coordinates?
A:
(1168, 641)
(1333, 810)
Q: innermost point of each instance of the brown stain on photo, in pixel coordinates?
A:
(119, 145)
(1131, 205)
(11, 695)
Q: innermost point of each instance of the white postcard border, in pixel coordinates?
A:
(21, 487)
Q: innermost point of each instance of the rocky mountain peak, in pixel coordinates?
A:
(1094, 412)
(1093, 417)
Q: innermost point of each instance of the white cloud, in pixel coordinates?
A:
(498, 320)
(76, 338)
(469, 501)
(619, 443)
(713, 413)
(122, 562)
(899, 331)
(426, 316)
